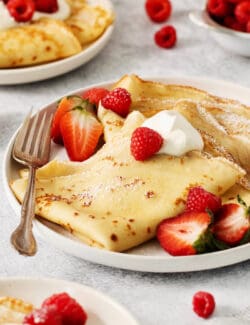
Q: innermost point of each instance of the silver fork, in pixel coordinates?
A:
(31, 148)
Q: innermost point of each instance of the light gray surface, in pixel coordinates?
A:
(152, 298)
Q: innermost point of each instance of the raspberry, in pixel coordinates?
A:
(232, 23)
(203, 304)
(242, 12)
(199, 200)
(219, 8)
(94, 95)
(248, 27)
(145, 142)
(47, 315)
(70, 310)
(118, 100)
(166, 37)
(48, 6)
(158, 10)
(21, 10)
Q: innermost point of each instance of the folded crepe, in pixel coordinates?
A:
(44, 41)
(48, 39)
(13, 310)
(113, 201)
(224, 124)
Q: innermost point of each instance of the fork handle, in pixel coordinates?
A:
(22, 238)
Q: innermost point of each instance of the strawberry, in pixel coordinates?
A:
(118, 101)
(80, 131)
(232, 224)
(186, 234)
(48, 6)
(65, 105)
(145, 142)
(94, 95)
(200, 200)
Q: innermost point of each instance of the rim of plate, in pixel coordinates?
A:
(14, 76)
(131, 261)
(75, 285)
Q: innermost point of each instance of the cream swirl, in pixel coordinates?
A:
(179, 136)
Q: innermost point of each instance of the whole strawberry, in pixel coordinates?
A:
(70, 310)
(200, 200)
(94, 95)
(145, 142)
(118, 101)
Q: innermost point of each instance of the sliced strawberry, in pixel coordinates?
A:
(65, 105)
(186, 234)
(80, 132)
(94, 95)
(232, 225)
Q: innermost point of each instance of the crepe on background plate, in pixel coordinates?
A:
(13, 310)
(114, 202)
(48, 39)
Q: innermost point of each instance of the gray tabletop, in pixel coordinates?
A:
(152, 298)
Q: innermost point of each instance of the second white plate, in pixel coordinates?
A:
(148, 257)
(101, 309)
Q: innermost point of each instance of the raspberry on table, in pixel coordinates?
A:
(118, 100)
(70, 310)
(203, 304)
(166, 37)
(158, 10)
(145, 142)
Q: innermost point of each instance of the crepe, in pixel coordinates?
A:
(13, 310)
(89, 22)
(114, 202)
(223, 123)
(48, 39)
(44, 41)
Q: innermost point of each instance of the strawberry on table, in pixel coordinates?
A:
(232, 224)
(186, 234)
(65, 105)
(80, 132)
(94, 95)
(200, 200)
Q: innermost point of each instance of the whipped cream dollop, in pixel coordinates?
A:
(7, 21)
(179, 136)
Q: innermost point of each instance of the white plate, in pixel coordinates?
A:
(148, 257)
(49, 70)
(101, 309)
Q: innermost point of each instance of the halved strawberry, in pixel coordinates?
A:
(80, 131)
(186, 234)
(64, 106)
(94, 95)
(232, 225)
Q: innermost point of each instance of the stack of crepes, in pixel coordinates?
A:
(114, 202)
(49, 39)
